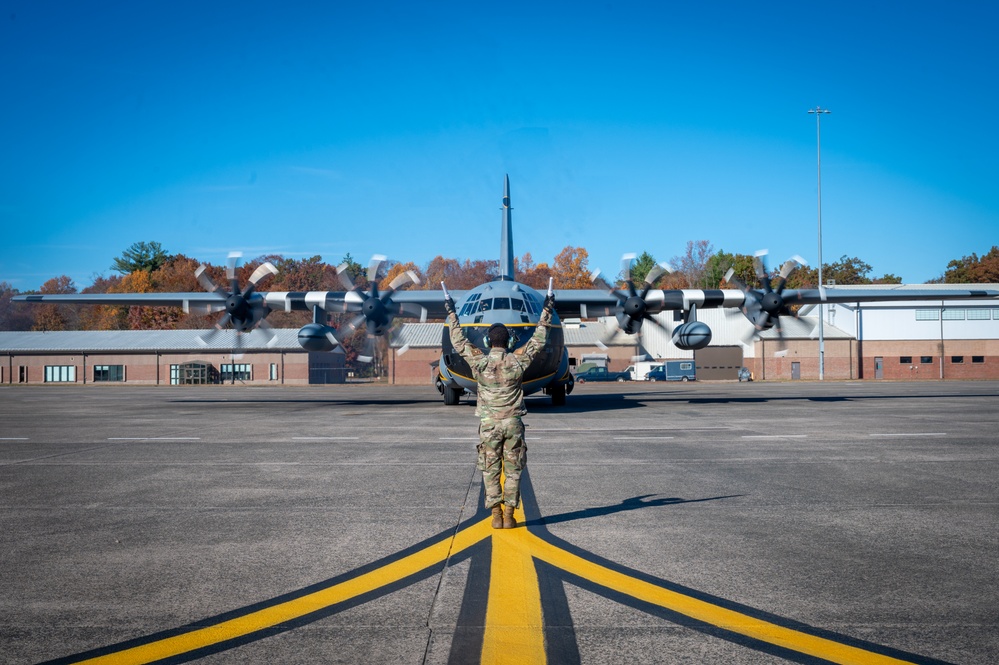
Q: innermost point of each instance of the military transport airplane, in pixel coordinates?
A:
(503, 300)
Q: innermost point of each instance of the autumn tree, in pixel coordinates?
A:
(531, 274)
(103, 317)
(849, 270)
(13, 316)
(973, 270)
(571, 270)
(56, 317)
(146, 256)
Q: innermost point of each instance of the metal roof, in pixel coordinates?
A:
(148, 340)
(428, 335)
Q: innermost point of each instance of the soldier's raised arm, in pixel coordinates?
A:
(540, 336)
(459, 341)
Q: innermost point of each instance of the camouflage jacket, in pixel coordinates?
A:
(500, 373)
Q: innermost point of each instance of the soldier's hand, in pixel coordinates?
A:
(449, 305)
(550, 301)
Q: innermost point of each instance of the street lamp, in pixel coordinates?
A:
(818, 111)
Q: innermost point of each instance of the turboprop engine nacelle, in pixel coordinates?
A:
(317, 337)
(691, 336)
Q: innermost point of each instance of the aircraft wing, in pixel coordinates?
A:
(191, 300)
(846, 295)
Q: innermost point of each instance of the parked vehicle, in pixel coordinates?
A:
(745, 374)
(601, 374)
(673, 370)
(641, 368)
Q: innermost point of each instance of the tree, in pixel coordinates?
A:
(719, 263)
(640, 267)
(535, 276)
(570, 269)
(397, 269)
(56, 317)
(13, 316)
(974, 270)
(689, 269)
(146, 256)
(849, 270)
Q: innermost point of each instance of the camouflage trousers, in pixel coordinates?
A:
(502, 441)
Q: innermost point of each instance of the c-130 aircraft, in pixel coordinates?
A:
(503, 300)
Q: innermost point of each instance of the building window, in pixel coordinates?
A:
(977, 360)
(274, 374)
(995, 314)
(109, 373)
(60, 374)
(927, 314)
(242, 372)
(22, 373)
(953, 315)
(925, 359)
(957, 360)
(905, 360)
(978, 315)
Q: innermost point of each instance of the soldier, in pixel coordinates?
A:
(500, 406)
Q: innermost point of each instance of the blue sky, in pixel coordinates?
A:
(306, 128)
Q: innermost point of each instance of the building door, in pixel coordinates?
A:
(879, 368)
(795, 371)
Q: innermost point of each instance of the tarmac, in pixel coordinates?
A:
(853, 522)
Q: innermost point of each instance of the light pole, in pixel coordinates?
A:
(818, 111)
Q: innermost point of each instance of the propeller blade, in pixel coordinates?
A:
(626, 260)
(404, 279)
(230, 269)
(264, 270)
(376, 262)
(760, 266)
(344, 275)
(206, 282)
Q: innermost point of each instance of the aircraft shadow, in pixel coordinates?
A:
(634, 503)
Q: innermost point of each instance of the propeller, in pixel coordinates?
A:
(375, 310)
(631, 310)
(244, 310)
(764, 308)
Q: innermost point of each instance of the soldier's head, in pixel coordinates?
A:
(498, 336)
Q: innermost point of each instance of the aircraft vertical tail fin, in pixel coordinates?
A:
(506, 236)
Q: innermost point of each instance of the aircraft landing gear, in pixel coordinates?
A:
(558, 395)
(452, 395)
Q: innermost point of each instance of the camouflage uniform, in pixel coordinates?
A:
(500, 406)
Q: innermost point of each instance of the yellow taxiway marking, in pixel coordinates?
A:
(514, 627)
(705, 611)
(514, 630)
(298, 607)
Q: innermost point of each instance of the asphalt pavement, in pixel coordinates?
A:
(661, 523)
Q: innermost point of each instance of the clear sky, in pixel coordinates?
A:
(306, 128)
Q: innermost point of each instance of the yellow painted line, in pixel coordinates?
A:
(299, 607)
(514, 631)
(705, 611)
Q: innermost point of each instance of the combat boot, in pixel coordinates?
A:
(508, 521)
(497, 516)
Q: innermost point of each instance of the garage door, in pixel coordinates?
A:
(716, 363)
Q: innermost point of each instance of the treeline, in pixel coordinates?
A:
(147, 268)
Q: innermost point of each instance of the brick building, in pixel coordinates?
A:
(163, 357)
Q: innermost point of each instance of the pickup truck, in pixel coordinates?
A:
(601, 374)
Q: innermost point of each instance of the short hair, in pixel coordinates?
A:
(498, 335)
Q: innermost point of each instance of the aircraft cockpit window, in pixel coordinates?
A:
(501, 303)
(485, 305)
(533, 306)
(471, 305)
(518, 304)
